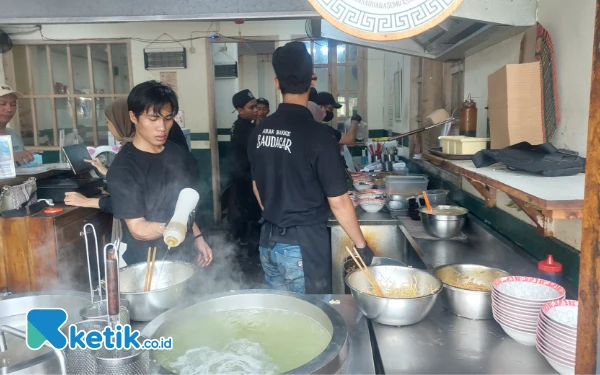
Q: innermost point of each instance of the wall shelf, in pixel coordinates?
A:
(543, 199)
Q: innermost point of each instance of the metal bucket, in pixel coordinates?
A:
(83, 361)
(167, 290)
(104, 361)
(117, 362)
(13, 310)
(328, 362)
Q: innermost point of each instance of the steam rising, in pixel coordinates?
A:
(224, 273)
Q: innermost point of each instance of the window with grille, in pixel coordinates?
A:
(65, 87)
(340, 70)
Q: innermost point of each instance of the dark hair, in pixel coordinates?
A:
(312, 96)
(293, 67)
(151, 96)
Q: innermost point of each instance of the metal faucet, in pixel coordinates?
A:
(21, 334)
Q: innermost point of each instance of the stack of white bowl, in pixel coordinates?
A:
(516, 304)
(557, 334)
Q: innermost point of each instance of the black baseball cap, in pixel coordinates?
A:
(263, 101)
(242, 98)
(325, 98)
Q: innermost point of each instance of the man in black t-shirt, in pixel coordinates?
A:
(263, 108)
(298, 179)
(327, 102)
(243, 210)
(148, 174)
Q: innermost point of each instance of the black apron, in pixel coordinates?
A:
(315, 248)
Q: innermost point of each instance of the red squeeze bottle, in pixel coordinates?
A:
(550, 269)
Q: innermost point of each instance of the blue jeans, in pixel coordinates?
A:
(283, 267)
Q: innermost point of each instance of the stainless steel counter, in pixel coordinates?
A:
(382, 234)
(444, 343)
(382, 217)
(360, 353)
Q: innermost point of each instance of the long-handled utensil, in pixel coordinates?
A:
(97, 308)
(149, 270)
(403, 135)
(111, 270)
(429, 208)
(365, 270)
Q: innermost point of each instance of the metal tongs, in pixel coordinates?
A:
(113, 283)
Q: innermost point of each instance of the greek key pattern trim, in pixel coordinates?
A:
(345, 12)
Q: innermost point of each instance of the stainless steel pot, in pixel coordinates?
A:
(19, 359)
(471, 304)
(350, 266)
(445, 221)
(395, 311)
(328, 362)
(168, 288)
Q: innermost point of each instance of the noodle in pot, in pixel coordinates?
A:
(407, 290)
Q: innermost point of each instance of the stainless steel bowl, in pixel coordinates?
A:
(397, 205)
(394, 311)
(471, 304)
(168, 288)
(445, 221)
(19, 359)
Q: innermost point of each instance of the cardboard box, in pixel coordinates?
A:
(515, 105)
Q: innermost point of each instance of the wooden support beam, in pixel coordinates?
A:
(488, 193)
(543, 223)
(589, 269)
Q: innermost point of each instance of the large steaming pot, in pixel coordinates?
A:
(328, 362)
(19, 359)
(169, 282)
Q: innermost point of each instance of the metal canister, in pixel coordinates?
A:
(468, 118)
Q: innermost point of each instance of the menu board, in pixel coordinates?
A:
(7, 160)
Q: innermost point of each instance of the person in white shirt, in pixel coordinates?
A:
(8, 109)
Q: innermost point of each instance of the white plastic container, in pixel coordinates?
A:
(461, 145)
(405, 185)
(176, 229)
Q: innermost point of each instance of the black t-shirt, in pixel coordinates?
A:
(147, 185)
(296, 166)
(336, 133)
(176, 136)
(240, 133)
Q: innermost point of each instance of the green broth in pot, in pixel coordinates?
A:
(245, 341)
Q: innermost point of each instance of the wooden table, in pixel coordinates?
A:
(543, 199)
(47, 251)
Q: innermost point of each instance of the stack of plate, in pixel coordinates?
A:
(516, 304)
(557, 334)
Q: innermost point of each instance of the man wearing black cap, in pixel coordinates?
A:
(244, 212)
(298, 180)
(327, 102)
(262, 105)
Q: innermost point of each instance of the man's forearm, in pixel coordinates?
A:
(93, 203)
(344, 212)
(144, 230)
(257, 195)
(350, 137)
